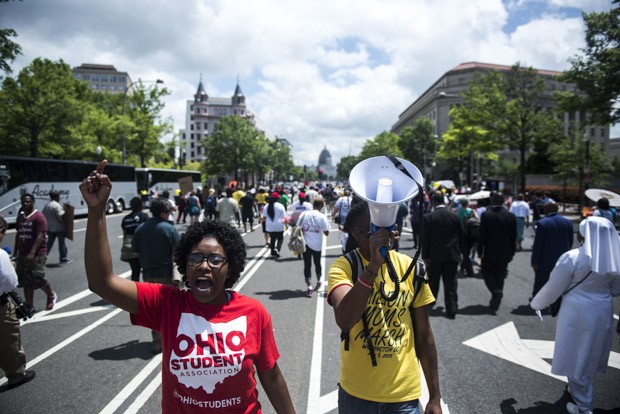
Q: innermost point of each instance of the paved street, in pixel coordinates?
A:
(88, 357)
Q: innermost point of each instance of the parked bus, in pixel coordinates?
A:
(39, 176)
(153, 181)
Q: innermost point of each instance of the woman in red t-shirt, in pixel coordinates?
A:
(213, 339)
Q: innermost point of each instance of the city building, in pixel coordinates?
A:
(435, 103)
(325, 165)
(204, 112)
(102, 77)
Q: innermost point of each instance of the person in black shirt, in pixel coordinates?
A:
(129, 225)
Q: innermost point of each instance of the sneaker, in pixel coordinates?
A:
(67, 261)
(51, 301)
(28, 376)
(309, 292)
(574, 409)
(318, 286)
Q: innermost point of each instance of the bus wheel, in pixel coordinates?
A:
(111, 207)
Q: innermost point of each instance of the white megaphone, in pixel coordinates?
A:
(385, 182)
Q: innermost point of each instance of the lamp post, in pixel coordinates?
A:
(124, 151)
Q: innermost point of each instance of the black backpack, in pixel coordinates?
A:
(355, 261)
(472, 226)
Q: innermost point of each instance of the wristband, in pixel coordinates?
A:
(361, 282)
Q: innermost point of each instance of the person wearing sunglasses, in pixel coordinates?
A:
(215, 341)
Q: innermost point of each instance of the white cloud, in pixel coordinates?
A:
(317, 72)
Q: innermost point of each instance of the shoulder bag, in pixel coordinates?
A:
(554, 308)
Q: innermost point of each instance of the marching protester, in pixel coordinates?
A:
(31, 250)
(53, 213)
(274, 214)
(314, 225)
(376, 377)
(211, 257)
(586, 278)
(12, 356)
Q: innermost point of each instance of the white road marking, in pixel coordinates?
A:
(144, 395)
(133, 385)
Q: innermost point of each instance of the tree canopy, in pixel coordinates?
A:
(596, 72)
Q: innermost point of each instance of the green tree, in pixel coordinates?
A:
(386, 143)
(509, 107)
(144, 126)
(38, 109)
(282, 161)
(346, 164)
(596, 73)
(229, 149)
(418, 143)
(578, 161)
(8, 49)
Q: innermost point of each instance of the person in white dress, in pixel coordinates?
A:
(584, 332)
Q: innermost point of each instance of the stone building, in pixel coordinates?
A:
(103, 78)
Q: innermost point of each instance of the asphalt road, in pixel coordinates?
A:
(89, 359)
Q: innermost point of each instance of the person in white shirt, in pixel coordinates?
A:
(274, 214)
(521, 210)
(314, 224)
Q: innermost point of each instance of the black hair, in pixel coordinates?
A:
(21, 198)
(358, 209)
(158, 206)
(227, 236)
(135, 204)
(603, 203)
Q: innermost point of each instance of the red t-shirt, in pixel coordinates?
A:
(27, 229)
(209, 351)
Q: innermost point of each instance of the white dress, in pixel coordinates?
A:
(585, 324)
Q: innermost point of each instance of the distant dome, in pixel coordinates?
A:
(325, 158)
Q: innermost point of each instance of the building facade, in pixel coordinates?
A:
(435, 103)
(203, 114)
(103, 78)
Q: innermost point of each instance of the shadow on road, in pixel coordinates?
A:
(128, 350)
(476, 310)
(283, 294)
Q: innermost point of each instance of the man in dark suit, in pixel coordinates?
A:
(441, 251)
(554, 236)
(496, 246)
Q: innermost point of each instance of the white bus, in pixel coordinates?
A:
(153, 181)
(39, 176)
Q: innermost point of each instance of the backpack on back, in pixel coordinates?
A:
(472, 226)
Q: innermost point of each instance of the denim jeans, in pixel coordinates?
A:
(348, 404)
(62, 246)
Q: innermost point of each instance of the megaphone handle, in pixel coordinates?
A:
(383, 250)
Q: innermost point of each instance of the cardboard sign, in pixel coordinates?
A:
(67, 219)
(186, 184)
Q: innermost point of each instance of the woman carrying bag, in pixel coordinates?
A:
(588, 277)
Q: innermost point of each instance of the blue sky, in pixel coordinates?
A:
(320, 73)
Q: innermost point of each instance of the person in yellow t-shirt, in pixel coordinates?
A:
(399, 337)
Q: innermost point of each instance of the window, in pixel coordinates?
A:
(198, 150)
(86, 77)
(191, 127)
(104, 78)
(197, 125)
(206, 126)
(121, 79)
(602, 132)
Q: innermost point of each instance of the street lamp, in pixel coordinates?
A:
(124, 151)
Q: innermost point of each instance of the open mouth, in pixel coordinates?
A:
(204, 285)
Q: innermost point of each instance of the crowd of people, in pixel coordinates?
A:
(182, 283)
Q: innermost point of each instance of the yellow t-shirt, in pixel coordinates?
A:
(261, 198)
(396, 377)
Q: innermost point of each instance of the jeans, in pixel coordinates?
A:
(309, 257)
(348, 404)
(62, 246)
